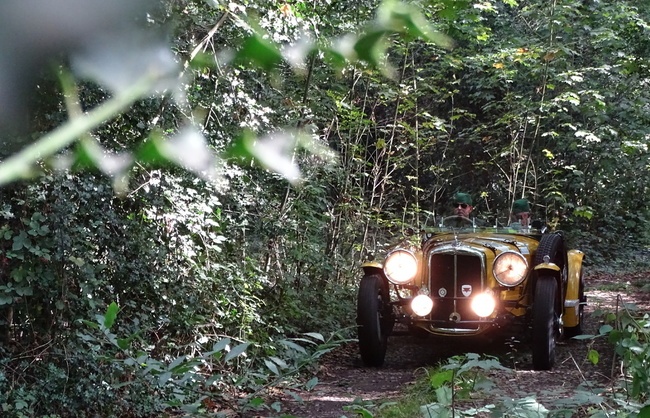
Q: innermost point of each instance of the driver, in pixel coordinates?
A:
(462, 204)
(520, 214)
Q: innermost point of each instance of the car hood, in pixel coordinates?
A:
(494, 243)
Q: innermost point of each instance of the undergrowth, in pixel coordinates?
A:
(464, 385)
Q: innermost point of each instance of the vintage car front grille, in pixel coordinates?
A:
(453, 279)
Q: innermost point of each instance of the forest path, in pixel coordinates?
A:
(343, 382)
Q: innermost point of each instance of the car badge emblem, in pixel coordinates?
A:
(466, 289)
(442, 292)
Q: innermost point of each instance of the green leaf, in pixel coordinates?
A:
(272, 367)
(294, 346)
(221, 345)
(91, 324)
(187, 149)
(371, 46)
(451, 8)
(111, 314)
(259, 52)
(315, 335)
(256, 402)
(123, 343)
(177, 361)
(21, 241)
(6, 300)
(164, 378)
(311, 383)
(440, 378)
(236, 351)
(24, 291)
(444, 395)
(90, 155)
(593, 356)
(405, 18)
(583, 337)
(605, 329)
(644, 412)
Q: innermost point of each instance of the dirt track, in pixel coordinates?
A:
(342, 380)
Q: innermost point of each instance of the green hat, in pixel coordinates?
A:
(520, 206)
(463, 198)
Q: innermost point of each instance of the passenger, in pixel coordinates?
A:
(520, 215)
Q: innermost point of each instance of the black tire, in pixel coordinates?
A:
(551, 245)
(374, 320)
(544, 323)
(570, 332)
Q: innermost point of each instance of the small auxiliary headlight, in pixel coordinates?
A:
(510, 268)
(483, 304)
(400, 266)
(422, 305)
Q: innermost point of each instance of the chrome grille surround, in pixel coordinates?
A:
(452, 268)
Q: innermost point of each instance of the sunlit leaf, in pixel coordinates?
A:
(440, 378)
(296, 54)
(274, 151)
(187, 149)
(593, 356)
(405, 18)
(90, 155)
(315, 335)
(117, 62)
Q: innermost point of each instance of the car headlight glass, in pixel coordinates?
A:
(510, 268)
(422, 305)
(400, 266)
(483, 304)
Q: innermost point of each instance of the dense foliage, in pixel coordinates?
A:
(547, 100)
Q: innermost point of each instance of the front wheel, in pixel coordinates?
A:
(545, 320)
(374, 319)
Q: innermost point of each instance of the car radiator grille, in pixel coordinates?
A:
(454, 279)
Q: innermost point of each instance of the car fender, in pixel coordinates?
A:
(372, 267)
(572, 300)
(547, 266)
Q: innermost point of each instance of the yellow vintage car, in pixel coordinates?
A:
(463, 280)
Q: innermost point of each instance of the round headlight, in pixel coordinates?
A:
(422, 305)
(483, 304)
(510, 268)
(400, 266)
